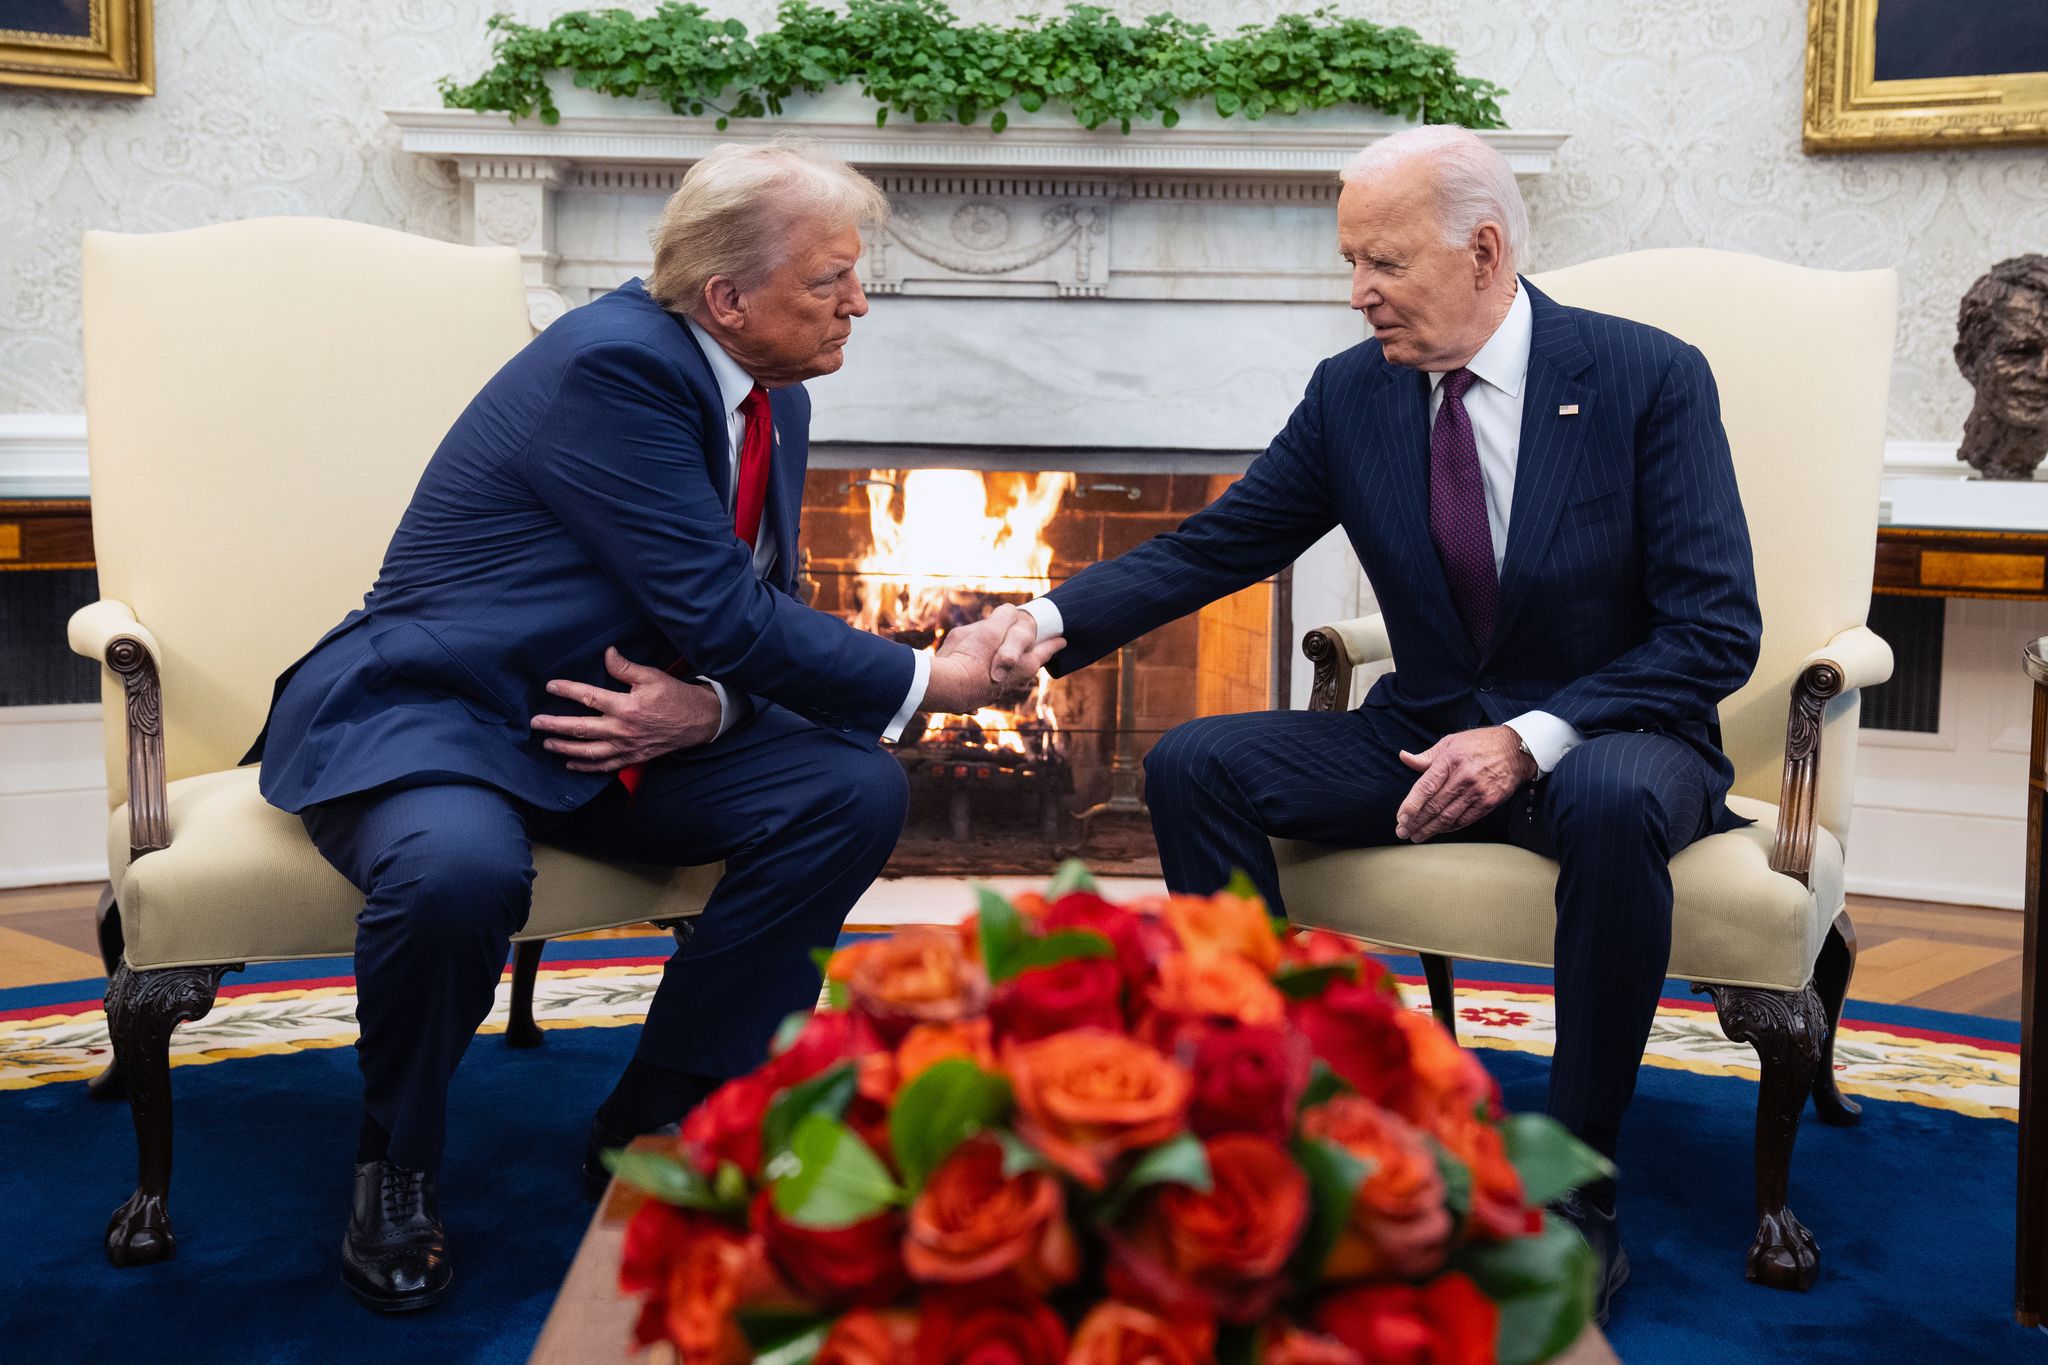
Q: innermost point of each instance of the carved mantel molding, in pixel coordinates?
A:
(1046, 209)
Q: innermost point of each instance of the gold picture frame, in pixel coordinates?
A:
(99, 45)
(1850, 109)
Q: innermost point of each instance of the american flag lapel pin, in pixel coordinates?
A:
(1568, 410)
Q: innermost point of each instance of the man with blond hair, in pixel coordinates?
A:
(1544, 502)
(584, 632)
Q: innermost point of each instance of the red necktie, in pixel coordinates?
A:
(750, 496)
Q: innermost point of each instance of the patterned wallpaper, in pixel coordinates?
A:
(1685, 123)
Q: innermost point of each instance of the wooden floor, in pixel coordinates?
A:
(1942, 957)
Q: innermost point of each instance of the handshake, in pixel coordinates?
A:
(983, 661)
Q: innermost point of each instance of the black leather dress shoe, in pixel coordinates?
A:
(394, 1256)
(1603, 1234)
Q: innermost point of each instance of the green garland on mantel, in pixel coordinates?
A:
(914, 57)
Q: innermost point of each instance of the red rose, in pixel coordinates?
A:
(1498, 1208)
(693, 1271)
(1247, 1080)
(1219, 1252)
(1141, 941)
(1286, 1344)
(727, 1126)
(1357, 1030)
(972, 1223)
(831, 1037)
(1082, 992)
(1446, 1322)
(861, 1263)
(989, 1325)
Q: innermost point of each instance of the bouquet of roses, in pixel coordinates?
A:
(1071, 1131)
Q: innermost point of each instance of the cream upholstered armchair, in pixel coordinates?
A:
(260, 399)
(1802, 358)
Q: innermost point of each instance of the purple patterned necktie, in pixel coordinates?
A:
(1457, 510)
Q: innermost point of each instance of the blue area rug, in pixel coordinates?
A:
(1914, 1210)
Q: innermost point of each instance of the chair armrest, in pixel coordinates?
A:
(1855, 659)
(1338, 649)
(108, 631)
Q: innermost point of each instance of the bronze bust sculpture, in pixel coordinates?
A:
(2002, 348)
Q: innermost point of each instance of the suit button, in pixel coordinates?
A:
(847, 728)
(1486, 684)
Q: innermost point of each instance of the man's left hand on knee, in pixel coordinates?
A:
(1464, 776)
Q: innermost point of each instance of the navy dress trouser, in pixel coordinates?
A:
(1612, 813)
(802, 820)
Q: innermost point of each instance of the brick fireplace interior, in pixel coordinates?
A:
(1008, 790)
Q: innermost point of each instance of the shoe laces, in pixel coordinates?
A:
(402, 1190)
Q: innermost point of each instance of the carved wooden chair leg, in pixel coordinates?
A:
(142, 1009)
(1786, 1028)
(1443, 990)
(108, 1085)
(1831, 975)
(520, 1028)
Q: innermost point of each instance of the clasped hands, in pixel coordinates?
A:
(657, 713)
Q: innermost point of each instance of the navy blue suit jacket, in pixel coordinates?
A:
(1627, 596)
(580, 501)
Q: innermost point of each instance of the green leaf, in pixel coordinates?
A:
(729, 1185)
(1064, 945)
(1001, 927)
(1242, 886)
(1548, 1158)
(821, 958)
(1306, 983)
(948, 1103)
(998, 121)
(1178, 1161)
(1324, 1084)
(828, 1092)
(829, 1178)
(1544, 1286)
(1073, 875)
(783, 1338)
(837, 995)
(1457, 1178)
(789, 1030)
(1019, 1156)
(1334, 1176)
(667, 1178)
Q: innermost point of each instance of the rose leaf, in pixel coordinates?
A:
(1062, 945)
(1306, 983)
(1334, 1176)
(1179, 1161)
(1543, 1285)
(1548, 1158)
(828, 1093)
(1072, 876)
(949, 1102)
(834, 1181)
(666, 1178)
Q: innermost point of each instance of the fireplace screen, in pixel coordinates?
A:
(912, 553)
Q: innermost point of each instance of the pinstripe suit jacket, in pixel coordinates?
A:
(1627, 596)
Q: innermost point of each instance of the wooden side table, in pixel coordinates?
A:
(45, 533)
(2030, 1288)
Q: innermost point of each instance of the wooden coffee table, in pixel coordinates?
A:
(592, 1322)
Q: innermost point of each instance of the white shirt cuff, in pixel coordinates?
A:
(1549, 738)
(1050, 622)
(724, 704)
(920, 679)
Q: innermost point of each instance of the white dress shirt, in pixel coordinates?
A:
(1494, 403)
(734, 384)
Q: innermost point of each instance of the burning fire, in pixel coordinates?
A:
(941, 559)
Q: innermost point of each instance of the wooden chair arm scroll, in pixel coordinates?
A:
(1336, 651)
(1855, 659)
(108, 631)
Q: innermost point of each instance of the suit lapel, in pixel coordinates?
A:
(1400, 405)
(718, 454)
(1548, 456)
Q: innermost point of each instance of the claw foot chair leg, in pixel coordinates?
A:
(520, 1028)
(142, 1009)
(1831, 977)
(108, 1085)
(1786, 1028)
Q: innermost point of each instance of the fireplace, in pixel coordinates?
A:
(912, 551)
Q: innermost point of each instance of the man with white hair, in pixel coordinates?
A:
(1543, 500)
(620, 499)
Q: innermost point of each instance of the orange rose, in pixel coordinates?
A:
(916, 976)
(1121, 1334)
(1211, 985)
(869, 1337)
(1448, 1079)
(1289, 1345)
(1498, 1209)
(1228, 924)
(973, 1222)
(1398, 1224)
(1087, 1097)
(882, 1074)
(1217, 1252)
(692, 1269)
